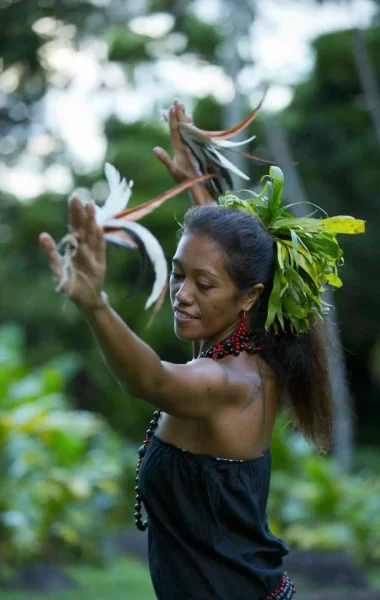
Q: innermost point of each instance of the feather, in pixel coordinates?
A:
(229, 165)
(154, 251)
(207, 147)
(120, 228)
(253, 157)
(119, 237)
(158, 304)
(133, 214)
(228, 144)
(119, 194)
(227, 133)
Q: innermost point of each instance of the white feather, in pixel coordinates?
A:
(119, 194)
(154, 251)
(229, 144)
(229, 165)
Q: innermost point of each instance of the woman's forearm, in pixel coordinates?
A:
(200, 195)
(136, 367)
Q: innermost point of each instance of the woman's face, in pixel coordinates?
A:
(202, 293)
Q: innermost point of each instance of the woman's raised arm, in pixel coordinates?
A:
(182, 390)
(183, 165)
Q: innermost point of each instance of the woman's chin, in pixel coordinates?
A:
(184, 332)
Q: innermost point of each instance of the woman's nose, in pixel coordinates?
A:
(183, 294)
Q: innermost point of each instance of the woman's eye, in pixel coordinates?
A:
(201, 286)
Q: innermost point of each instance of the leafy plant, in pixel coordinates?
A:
(61, 469)
(314, 505)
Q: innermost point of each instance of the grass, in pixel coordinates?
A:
(128, 578)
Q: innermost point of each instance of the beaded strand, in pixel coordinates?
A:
(236, 343)
(140, 524)
(286, 590)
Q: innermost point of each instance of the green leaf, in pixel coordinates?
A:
(326, 245)
(343, 224)
(279, 255)
(295, 246)
(294, 309)
(309, 268)
(274, 306)
(333, 280)
(278, 182)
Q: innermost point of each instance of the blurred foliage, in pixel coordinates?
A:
(313, 505)
(29, 30)
(61, 470)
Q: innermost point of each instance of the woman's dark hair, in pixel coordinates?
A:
(300, 362)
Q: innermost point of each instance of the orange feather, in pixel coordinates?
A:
(133, 214)
(227, 133)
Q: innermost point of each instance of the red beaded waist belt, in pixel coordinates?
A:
(286, 590)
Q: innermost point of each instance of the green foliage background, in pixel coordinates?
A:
(334, 143)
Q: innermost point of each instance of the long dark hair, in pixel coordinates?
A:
(300, 362)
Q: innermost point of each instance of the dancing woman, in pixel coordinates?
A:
(203, 472)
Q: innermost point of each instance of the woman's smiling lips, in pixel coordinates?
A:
(181, 315)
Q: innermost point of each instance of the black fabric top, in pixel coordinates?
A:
(208, 533)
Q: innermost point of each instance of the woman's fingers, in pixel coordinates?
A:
(51, 251)
(164, 157)
(174, 130)
(95, 239)
(180, 111)
(91, 226)
(78, 218)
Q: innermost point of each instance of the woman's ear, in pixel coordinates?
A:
(252, 296)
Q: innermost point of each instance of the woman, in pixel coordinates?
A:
(206, 461)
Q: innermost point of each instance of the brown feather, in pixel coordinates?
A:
(227, 133)
(133, 214)
(158, 305)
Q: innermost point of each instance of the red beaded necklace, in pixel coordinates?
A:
(243, 339)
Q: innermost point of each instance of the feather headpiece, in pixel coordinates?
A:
(120, 227)
(209, 148)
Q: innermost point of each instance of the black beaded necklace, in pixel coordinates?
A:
(242, 339)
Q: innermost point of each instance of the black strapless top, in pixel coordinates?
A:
(208, 534)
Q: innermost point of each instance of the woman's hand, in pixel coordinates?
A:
(88, 258)
(183, 166)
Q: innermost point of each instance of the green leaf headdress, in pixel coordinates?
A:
(307, 254)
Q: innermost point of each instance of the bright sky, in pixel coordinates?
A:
(280, 38)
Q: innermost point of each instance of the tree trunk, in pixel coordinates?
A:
(367, 79)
